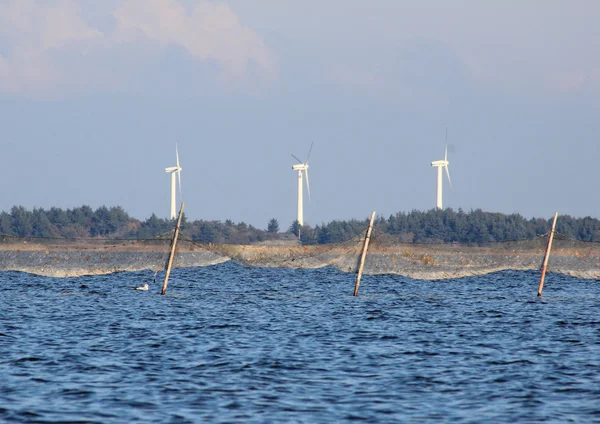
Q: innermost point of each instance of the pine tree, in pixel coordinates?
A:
(273, 226)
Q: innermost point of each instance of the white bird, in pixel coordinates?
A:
(142, 287)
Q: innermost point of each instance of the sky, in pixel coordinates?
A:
(95, 96)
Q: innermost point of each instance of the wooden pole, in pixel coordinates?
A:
(547, 256)
(364, 254)
(172, 254)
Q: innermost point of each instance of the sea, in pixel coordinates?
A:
(233, 344)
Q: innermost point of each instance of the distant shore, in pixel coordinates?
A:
(413, 261)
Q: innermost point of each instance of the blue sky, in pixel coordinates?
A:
(94, 96)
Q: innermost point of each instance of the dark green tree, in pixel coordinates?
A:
(295, 228)
(22, 221)
(6, 224)
(101, 222)
(208, 232)
(273, 226)
(42, 227)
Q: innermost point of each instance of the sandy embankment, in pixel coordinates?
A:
(423, 262)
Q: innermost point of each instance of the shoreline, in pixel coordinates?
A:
(413, 261)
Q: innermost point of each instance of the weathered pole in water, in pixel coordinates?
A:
(364, 254)
(547, 256)
(172, 254)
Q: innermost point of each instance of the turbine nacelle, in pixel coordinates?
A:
(440, 163)
(300, 167)
(173, 169)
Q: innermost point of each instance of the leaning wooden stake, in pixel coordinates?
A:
(547, 256)
(172, 254)
(364, 254)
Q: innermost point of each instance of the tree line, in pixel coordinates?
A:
(449, 226)
(115, 223)
(433, 226)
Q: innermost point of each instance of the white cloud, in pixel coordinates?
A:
(25, 23)
(210, 32)
(33, 31)
(50, 48)
(63, 25)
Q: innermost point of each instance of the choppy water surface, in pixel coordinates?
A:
(234, 344)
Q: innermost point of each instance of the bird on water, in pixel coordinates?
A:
(143, 287)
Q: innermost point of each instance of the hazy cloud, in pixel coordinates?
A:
(210, 32)
(515, 45)
(33, 31)
(418, 70)
(26, 71)
(564, 82)
(49, 47)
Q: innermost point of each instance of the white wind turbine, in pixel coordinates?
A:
(174, 170)
(302, 167)
(442, 164)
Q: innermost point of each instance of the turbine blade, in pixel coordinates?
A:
(177, 154)
(299, 161)
(446, 152)
(448, 175)
(309, 150)
(307, 183)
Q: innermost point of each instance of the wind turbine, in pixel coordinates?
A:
(174, 170)
(302, 167)
(442, 164)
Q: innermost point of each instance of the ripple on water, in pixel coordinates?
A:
(277, 345)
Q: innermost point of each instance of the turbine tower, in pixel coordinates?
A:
(174, 170)
(301, 168)
(442, 164)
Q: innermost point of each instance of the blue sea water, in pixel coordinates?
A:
(253, 345)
